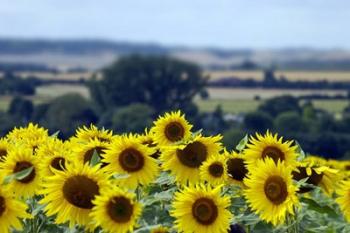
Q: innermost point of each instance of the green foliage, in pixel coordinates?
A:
(289, 122)
(258, 121)
(133, 118)
(280, 104)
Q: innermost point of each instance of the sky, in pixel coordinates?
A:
(215, 23)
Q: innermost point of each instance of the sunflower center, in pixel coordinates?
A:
(193, 155)
(216, 169)
(58, 163)
(273, 153)
(314, 179)
(205, 211)
(236, 169)
(80, 191)
(20, 166)
(2, 206)
(276, 189)
(120, 209)
(3, 153)
(131, 160)
(88, 155)
(174, 131)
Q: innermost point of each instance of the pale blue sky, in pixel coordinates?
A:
(221, 23)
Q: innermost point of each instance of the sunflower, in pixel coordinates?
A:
(184, 160)
(11, 211)
(201, 209)
(160, 229)
(83, 152)
(17, 160)
(270, 146)
(128, 156)
(344, 199)
(214, 170)
(171, 128)
(116, 211)
(236, 168)
(69, 194)
(4, 148)
(85, 134)
(55, 160)
(322, 176)
(31, 136)
(147, 139)
(270, 191)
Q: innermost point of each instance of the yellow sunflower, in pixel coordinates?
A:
(31, 136)
(147, 139)
(322, 176)
(55, 161)
(69, 194)
(214, 170)
(116, 211)
(128, 156)
(85, 134)
(83, 152)
(160, 229)
(270, 146)
(50, 147)
(17, 160)
(344, 198)
(4, 148)
(11, 210)
(184, 160)
(270, 190)
(171, 128)
(201, 209)
(236, 168)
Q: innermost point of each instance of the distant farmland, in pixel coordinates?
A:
(289, 75)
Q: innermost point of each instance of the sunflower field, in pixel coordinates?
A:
(168, 179)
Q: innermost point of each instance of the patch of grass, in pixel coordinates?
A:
(228, 106)
(335, 106)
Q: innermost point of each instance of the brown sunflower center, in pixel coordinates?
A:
(216, 169)
(236, 169)
(88, 155)
(120, 209)
(193, 155)
(273, 153)
(205, 211)
(131, 160)
(80, 191)
(2, 205)
(276, 189)
(58, 163)
(174, 131)
(3, 153)
(20, 166)
(314, 179)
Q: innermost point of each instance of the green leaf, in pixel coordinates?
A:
(95, 159)
(300, 152)
(302, 182)
(198, 132)
(241, 145)
(312, 205)
(55, 134)
(18, 176)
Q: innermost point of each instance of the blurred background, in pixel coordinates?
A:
(233, 66)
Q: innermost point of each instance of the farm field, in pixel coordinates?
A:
(231, 100)
(289, 75)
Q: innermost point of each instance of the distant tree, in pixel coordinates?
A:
(214, 122)
(68, 112)
(6, 123)
(21, 109)
(289, 122)
(280, 104)
(133, 118)
(160, 82)
(232, 137)
(258, 121)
